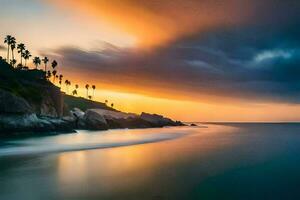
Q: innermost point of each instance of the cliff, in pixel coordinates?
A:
(30, 87)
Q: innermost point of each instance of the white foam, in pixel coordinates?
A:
(85, 140)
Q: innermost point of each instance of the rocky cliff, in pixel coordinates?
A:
(31, 89)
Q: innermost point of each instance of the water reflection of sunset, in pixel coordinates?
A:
(123, 168)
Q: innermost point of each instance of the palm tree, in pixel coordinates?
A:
(76, 86)
(48, 74)
(68, 83)
(74, 93)
(54, 72)
(94, 87)
(26, 55)
(45, 61)
(13, 62)
(60, 79)
(112, 105)
(36, 62)
(12, 47)
(106, 101)
(87, 90)
(8, 40)
(90, 97)
(54, 64)
(21, 48)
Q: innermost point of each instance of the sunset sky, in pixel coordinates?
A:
(192, 60)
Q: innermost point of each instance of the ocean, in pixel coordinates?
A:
(211, 161)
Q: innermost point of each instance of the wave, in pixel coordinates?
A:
(87, 141)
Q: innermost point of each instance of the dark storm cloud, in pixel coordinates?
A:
(258, 60)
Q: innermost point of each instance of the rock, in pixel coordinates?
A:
(94, 121)
(159, 120)
(131, 122)
(76, 112)
(77, 116)
(47, 108)
(108, 114)
(12, 104)
(193, 125)
(16, 123)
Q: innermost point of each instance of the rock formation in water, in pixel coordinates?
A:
(101, 119)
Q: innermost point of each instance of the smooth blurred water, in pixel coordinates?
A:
(221, 161)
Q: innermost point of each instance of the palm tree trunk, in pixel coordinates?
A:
(13, 56)
(45, 67)
(21, 58)
(25, 63)
(7, 53)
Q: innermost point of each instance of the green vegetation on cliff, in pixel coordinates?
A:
(84, 104)
(23, 83)
(44, 97)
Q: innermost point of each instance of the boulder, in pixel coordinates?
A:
(76, 112)
(108, 114)
(94, 121)
(12, 104)
(16, 123)
(158, 120)
(131, 122)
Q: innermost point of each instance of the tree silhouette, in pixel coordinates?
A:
(45, 61)
(13, 62)
(54, 72)
(26, 55)
(112, 105)
(48, 76)
(87, 90)
(74, 92)
(13, 47)
(36, 62)
(60, 79)
(8, 40)
(76, 86)
(93, 87)
(90, 97)
(106, 101)
(21, 48)
(68, 83)
(54, 64)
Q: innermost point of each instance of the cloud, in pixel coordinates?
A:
(207, 66)
(256, 58)
(155, 23)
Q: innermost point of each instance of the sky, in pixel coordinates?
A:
(229, 60)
